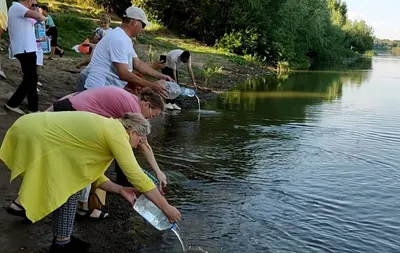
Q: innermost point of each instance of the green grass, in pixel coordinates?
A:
(81, 8)
(77, 19)
(73, 30)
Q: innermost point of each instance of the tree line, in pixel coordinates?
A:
(296, 32)
(386, 44)
(299, 32)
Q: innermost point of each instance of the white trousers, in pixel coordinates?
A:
(83, 195)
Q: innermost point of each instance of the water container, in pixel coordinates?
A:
(150, 212)
(46, 46)
(174, 89)
(40, 31)
(188, 92)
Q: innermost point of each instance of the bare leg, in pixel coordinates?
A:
(53, 51)
(39, 83)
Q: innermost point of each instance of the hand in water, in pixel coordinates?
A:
(158, 87)
(172, 213)
(129, 194)
(163, 181)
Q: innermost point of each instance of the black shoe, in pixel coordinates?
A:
(80, 242)
(74, 246)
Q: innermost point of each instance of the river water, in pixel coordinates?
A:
(307, 162)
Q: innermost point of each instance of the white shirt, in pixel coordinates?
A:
(173, 60)
(116, 47)
(22, 36)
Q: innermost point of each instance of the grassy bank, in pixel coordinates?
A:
(214, 69)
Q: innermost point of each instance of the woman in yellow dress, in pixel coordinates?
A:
(59, 154)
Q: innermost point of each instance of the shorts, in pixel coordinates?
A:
(39, 57)
(53, 33)
(63, 105)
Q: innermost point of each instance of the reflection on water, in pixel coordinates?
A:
(300, 163)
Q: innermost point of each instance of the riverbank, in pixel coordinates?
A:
(215, 71)
(123, 231)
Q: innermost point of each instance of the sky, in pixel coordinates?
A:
(383, 16)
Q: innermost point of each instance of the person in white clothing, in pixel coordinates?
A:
(23, 46)
(173, 61)
(39, 51)
(114, 57)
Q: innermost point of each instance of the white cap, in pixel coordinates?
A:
(136, 13)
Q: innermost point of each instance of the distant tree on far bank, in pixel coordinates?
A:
(386, 44)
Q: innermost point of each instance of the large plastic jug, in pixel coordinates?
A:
(150, 212)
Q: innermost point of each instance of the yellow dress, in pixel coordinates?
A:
(60, 153)
(3, 15)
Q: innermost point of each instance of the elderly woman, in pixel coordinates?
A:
(114, 102)
(66, 151)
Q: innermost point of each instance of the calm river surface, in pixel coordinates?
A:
(302, 163)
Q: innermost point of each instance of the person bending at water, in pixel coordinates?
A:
(63, 153)
(112, 102)
(173, 61)
(114, 57)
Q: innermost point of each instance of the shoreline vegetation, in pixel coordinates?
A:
(234, 56)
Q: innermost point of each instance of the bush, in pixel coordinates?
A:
(209, 70)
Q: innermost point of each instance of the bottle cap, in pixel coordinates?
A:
(173, 226)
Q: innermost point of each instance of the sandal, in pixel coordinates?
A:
(88, 214)
(13, 211)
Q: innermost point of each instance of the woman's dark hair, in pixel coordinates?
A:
(45, 8)
(155, 100)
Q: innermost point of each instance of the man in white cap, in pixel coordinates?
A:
(114, 57)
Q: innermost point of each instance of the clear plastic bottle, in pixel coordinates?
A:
(150, 212)
(173, 88)
(188, 92)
